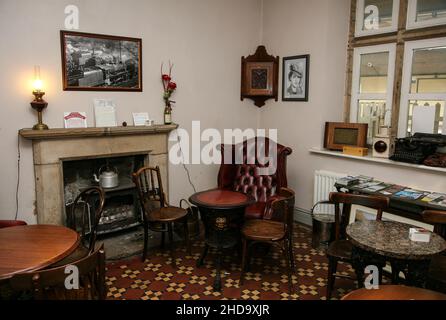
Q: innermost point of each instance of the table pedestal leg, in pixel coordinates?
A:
(358, 265)
(361, 259)
(397, 267)
(200, 261)
(217, 281)
(417, 273)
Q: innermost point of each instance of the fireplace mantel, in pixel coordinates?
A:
(62, 133)
(54, 146)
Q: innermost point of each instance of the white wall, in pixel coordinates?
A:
(204, 38)
(319, 28)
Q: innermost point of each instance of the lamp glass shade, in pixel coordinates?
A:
(37, 85)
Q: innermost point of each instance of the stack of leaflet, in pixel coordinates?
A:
(438, 199)
(347, 181)
(411, 194)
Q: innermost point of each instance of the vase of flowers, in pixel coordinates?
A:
(169, 88)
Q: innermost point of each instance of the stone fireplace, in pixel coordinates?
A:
(55, 149)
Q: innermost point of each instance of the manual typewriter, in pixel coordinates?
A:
(416, 148)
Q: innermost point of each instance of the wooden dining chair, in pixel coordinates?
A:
(278, 232)
(83, 216)
(158, 215)
(50, 284)
(437, 269)
(340, 250)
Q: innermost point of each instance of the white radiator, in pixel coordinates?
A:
(324, 182)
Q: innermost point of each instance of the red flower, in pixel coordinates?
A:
(172, 85)
(166, 77)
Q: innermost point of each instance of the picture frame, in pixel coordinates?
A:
(295, 78)
(340, 134)
(259, 77)
(97, 62)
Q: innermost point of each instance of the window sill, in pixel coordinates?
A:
(369, 158)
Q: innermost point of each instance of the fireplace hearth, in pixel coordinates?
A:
(122, 209)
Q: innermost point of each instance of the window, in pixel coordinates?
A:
(423, 91)
(425, 13)
(388, 64)
(376, 17)
(372, 89)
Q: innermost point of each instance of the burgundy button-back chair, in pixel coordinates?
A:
(11, 223)
(245, 175)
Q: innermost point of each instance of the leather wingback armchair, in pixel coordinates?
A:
(244, 175)
(11, 223)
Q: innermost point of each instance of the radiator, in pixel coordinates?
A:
(324, 182)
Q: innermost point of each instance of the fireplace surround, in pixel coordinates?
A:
(52, 148)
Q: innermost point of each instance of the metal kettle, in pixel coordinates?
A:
(107, 178)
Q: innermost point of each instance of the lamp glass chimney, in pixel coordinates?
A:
(37, 84)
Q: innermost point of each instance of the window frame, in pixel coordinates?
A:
(406, 95)
(360, 20)
(400, 37)
(412, 17)
(356, 96)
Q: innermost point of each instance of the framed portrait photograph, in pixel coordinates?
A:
(98, 62)
(295, 78)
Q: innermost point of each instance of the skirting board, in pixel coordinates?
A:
(303, 216)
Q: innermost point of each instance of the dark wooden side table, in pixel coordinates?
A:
(222, 213)
(381, 241)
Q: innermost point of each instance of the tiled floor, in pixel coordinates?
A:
(157, 279)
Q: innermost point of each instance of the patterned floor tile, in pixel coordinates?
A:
(158, 279)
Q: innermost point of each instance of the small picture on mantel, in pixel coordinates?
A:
(75, 120)
(295, 78)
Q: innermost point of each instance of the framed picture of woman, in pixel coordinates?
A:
(295, 78)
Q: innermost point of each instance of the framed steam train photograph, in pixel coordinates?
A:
(99, 62)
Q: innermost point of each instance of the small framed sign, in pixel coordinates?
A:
(105, 113)
(75, 119)
(141, 119)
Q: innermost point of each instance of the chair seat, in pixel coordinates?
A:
(79, 253)
(255, 211)
(263, 230)
(340, 249)
(166, 214)
(437, 269)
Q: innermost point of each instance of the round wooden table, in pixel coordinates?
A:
(34, 247)
(375, 242)
(222, 213)
(392, 292)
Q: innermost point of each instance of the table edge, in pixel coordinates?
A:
(45, 264)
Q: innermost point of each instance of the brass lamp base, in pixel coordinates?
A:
(40, 126)
(39, 104)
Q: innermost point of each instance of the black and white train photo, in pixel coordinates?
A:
(99, 62)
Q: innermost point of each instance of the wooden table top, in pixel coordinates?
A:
(33, 247)
(394, 292)
(391, 239)
(221, 199)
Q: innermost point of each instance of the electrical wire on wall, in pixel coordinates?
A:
(18, 179)
(184, 165)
